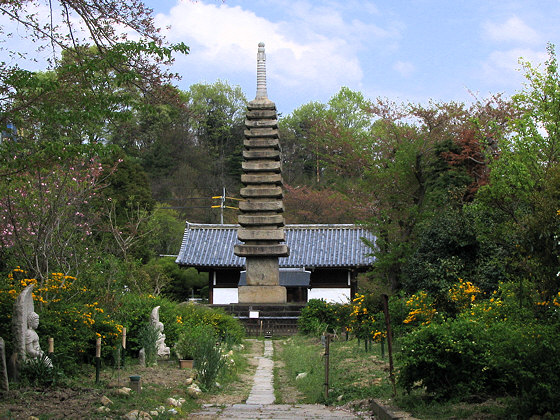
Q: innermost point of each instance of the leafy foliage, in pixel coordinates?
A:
(318, 317)
(209, 359)
(147, 339)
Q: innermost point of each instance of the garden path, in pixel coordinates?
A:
(260, 404)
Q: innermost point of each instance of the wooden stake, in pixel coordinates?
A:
(327, 348)
(389, 342)
(97, 359)
(124, 338)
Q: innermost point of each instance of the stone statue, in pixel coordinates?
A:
(24, 324)
(32, 346)
(163, 351)
(4, 385)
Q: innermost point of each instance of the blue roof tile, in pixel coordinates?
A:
(311, 246)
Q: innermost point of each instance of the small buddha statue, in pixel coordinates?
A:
(32, 346)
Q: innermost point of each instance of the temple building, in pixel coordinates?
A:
(324, 260)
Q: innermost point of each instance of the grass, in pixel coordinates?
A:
(354, 374)
(357, 374)
(423, 408)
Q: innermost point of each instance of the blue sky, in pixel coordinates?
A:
(413, 50)
(403, 50)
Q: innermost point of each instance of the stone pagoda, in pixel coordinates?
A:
(261, 220)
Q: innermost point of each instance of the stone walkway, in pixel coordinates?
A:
(260, 404)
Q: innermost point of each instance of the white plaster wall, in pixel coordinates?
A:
(334, 294)
(224, 296)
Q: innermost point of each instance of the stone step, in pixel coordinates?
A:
(262, 154)
(275, 250)
(261, 235)
(259, 179)
(274, 220)
(257, 114)
(261, 122)
(261, 104)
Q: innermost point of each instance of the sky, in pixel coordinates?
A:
(403, 50)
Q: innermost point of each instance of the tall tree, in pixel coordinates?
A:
(60, 118)
(518, 210)
(412, 174)
(92, 34)
(217, 113)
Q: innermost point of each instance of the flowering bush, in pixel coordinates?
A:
(421, 309)
(67, 313)
(362, 321)
(463, 294)
(46, 212)
(492, 347)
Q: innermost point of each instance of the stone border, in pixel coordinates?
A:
(383, 412)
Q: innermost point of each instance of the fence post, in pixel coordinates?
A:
(327, 348)
(389, 341)
(97, 359)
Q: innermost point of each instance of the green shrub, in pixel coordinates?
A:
(398, 312)
(448, 359)
(135, 311)
(467, 356)
(227, 328)
(189, 339)
(318, 317)
(41, 371)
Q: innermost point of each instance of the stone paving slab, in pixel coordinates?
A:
(275, 411)
(263, 388)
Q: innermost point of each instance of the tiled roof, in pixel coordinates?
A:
(311, 246)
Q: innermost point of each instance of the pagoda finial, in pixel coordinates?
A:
(261, 73)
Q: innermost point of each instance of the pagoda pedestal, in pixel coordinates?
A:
(262, 282)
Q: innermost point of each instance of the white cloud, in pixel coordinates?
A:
(514, 29)
(404, 68)
(502, 68)
(313, 48)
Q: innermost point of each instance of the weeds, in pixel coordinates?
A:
(41, 371)
(147, 337)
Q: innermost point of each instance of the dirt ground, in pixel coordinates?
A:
(80, 400)
(83, 399)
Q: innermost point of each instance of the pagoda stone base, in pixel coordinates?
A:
(263, 282)
(262, 294)
(262, 271)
